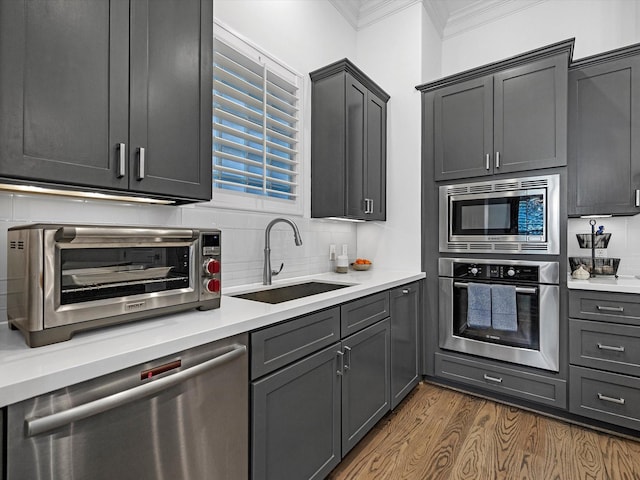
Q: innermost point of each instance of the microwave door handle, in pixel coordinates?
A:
(527, 290)
(37, 426)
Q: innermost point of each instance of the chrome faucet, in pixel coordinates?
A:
(267, 272)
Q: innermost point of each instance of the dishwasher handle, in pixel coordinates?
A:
(37, 426)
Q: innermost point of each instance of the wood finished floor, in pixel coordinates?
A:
(437, 433)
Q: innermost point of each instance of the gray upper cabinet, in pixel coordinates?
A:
(107, 95)
(604, 134)
(509, 116)
(348, 144)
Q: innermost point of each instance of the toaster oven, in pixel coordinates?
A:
(67, 278)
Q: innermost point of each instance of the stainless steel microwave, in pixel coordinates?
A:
(518, 215)
(66, 278)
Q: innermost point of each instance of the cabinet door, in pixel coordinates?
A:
(463, 119)
(64, 69)
(376, 158)
(171, 97)
(530, 117)
(296, 419)
(604, 140)
(365, 383)
(356, 147)
(405, 313)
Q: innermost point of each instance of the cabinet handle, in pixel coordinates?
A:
(610, 309)
(347, 362)
(492, 379)
(618, 401)
(368, 205)
(371, 205)
(497, 159)
(637, 198)
(611, 348)
(406, 291)
(140, 163)
(122, 160)
(340, 371)
(487, 159)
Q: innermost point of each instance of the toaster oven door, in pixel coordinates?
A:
(88, 276)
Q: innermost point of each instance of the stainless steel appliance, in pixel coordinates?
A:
(65, 278)
(527, 333)
(519, 215)
(184, 416)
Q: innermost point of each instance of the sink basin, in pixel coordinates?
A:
(290, 292)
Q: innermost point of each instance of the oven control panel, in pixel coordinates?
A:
(486, 271)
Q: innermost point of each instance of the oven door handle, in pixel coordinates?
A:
(81, 233)
(529, 290)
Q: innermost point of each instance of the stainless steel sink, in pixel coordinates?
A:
(290, 292)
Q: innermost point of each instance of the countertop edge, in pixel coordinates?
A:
(29, 372)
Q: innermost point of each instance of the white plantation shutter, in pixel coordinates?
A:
(255, 126)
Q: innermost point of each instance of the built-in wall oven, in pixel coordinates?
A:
(516, 215)
(500, 309)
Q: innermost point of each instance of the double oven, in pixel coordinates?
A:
(494, 301)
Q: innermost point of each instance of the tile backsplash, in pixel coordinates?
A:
(624, 243)
(242, 233)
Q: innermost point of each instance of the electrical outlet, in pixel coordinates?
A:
(601, 253)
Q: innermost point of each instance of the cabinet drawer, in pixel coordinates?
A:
(361, 313)
(605, 396)
(276, 346)
(605, 346)
(528, 386)
(604, 306)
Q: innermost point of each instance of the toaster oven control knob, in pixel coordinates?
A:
(474, 270)
(212, 285)
(211, 266)
(511, 272)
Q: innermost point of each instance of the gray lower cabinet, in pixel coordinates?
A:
(504, 380)
(604, 134)
(316, 393)
(604, 346)
(506, 117)
(365, 382)
(405, 340)
(348, 144)
(296, 424)
(107, 95)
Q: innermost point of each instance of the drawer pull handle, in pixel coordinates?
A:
(406, 291)
(489, 378)
(618, 401)
(610, 309)
(611, 348)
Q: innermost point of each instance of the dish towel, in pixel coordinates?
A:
(504, 311)
(478, 305)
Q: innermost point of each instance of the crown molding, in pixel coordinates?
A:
(482, 12)
(361, 14)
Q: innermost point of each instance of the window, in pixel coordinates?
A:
(256, 137)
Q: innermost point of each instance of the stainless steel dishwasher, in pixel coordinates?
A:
(182, 417)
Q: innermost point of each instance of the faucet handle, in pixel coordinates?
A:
(274, 272)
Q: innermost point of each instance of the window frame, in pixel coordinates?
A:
(252, 202)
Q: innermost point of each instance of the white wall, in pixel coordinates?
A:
(392, 52)
(597, 25)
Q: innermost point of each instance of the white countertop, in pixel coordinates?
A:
(622, 284)
(27, 372)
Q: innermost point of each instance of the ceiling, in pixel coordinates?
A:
(448, 16)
